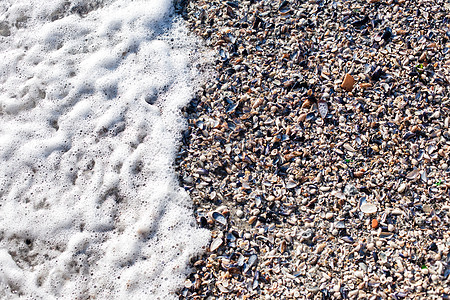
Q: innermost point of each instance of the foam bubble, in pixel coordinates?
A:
(90, 93)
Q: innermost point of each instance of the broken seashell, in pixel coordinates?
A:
(291, 184)
(348, 147)
(323, 108)
(218, 217)
(215, 244)
(413, 174)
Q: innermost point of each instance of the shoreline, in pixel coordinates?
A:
(319, 155)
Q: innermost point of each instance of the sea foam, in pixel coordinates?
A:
(90, 98)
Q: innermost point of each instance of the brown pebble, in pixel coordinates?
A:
(374, 224)
(252, 220)
(365, 85)
(401, 32)
(348, 83)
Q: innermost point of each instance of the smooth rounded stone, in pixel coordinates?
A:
(368, 208)
(370, 246)
(374, 224)
(239, 213)
(379, 244)
(329, 215)
(391, 227)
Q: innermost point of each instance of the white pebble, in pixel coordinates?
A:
(329, 216)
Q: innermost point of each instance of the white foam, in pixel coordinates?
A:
(90, 98)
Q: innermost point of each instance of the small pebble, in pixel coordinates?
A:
(374, 223)
(348, 82)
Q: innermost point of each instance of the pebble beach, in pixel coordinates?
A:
(318, 152)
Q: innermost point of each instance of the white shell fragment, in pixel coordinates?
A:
(423, 176)
(368, 208)
(291, 184)
(323, 109)
(348, 147)
(215, 244)
(413, 174)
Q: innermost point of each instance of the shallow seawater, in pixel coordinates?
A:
(90, 98)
